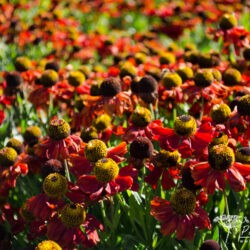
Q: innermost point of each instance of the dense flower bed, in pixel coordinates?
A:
(124, 124)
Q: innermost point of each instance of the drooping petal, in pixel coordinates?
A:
(153, 177)
(189, 234)
(201, 218)
(125, 182)
(235, 179)
(220, 182)
(117, 153)
(88, 183)
(166, 180)
(184, 148)
(212, 183)
(170, 226)
(244, 169)
(200, 172)
(185, 229)
(132, 172)
(158, 130)
(161, 209)
(112, 188)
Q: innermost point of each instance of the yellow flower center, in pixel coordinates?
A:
(140, 57)
(203, 78)
(128, 69)
(243, 105)
(141, 117)
(185, 125)
(220, 139)
(106, 170)
(231, 77)
(167, 58)
(102, 122)
(88, 134)
(171, 79)
(49, 78)
(76, 78)
(217, 75)
(58, 129)
(48, 245)
(221, 157)
(32, 135)
(228, 21)
(185, 73)
(15, 144)
(22, 64)
(243, 155)
(55, 185)
(220, 113)
(95, 150)
(183, 201)
(73, 215)
(8, 156)
(167, 158)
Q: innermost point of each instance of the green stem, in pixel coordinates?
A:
(67, 170)
(226, 203)
(104, 216)
(174, 113)
(125, 207)
(50, 106)
(152, 110)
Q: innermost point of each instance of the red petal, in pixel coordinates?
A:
(185, 228)
(244, 169)
(153, 177)
(117, 152)
(202, 220)
(170, 226)
(161, 209)
(88, 184)
(112, 188)
(235, 179)
(200, 172)
(212, 182)
(162, 131)
(125, 182)
(167, 180)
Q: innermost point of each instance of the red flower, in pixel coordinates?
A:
(165, 166)
(68, 237)
(8, 177)
(111, 105)
(118, 152)
(43, 207)
(185, 137)
(181, 214)
(60, 143)
(108, 179)
(239, 128)
(132, 132)
(79, 165)
(58, 149)
(221, 166)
